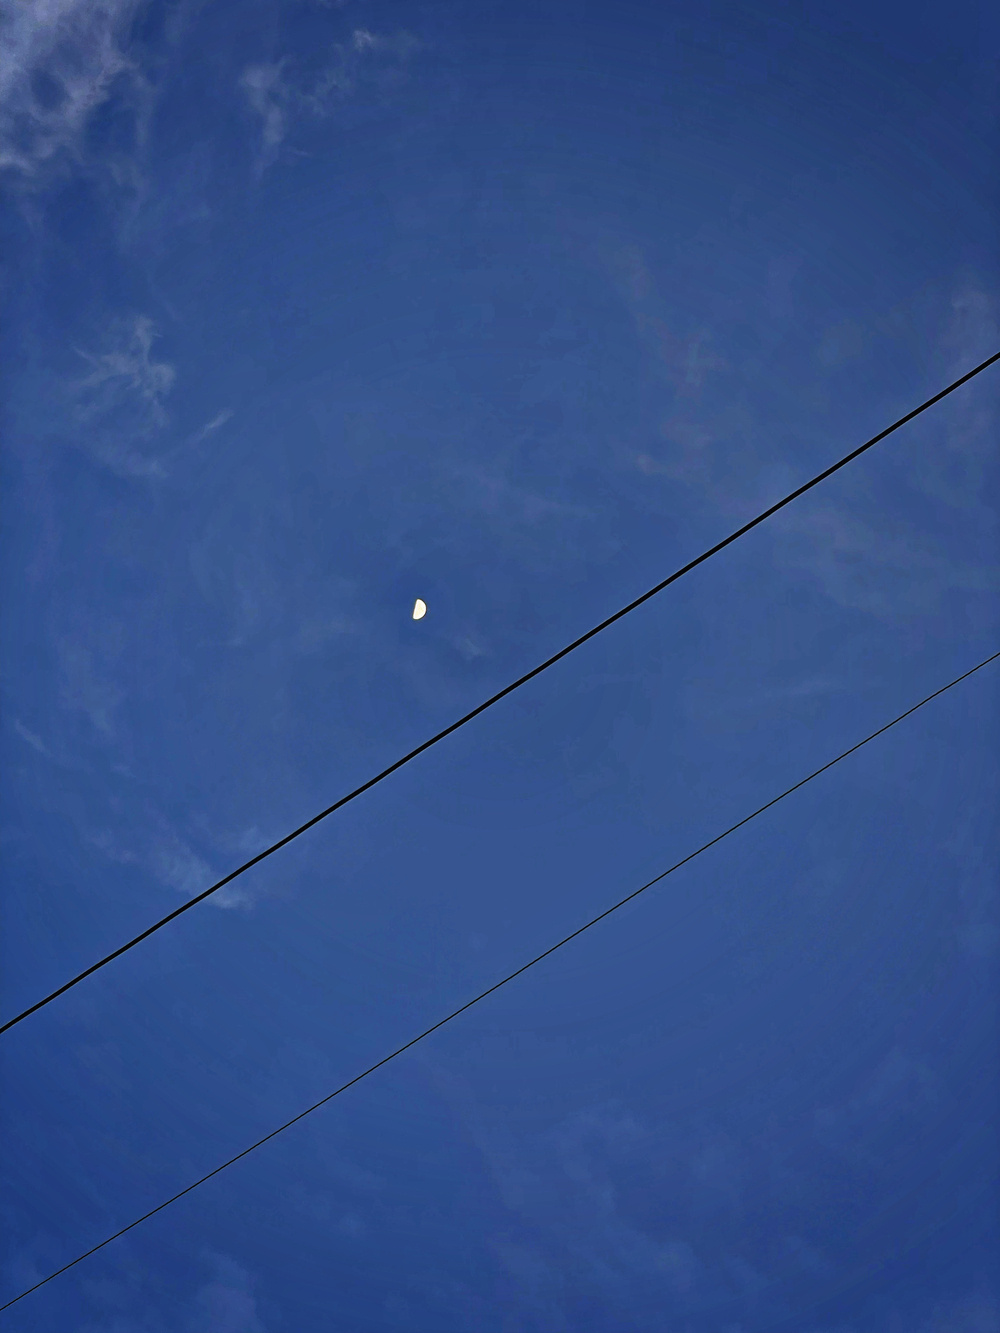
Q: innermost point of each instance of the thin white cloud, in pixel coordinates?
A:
(278, 95)
(212, 426)
(974, 1314)
(179, 867)
(146, 840)
(494, 495)
(687, 360)
(59, 61)
(399, 44)
(34, 741)
(875, 561)
(121, 403)
(129, 365)
(86, 683)
(226, 1304)
(270, 97)
(960, 435)
(883, 569)
(164, 462)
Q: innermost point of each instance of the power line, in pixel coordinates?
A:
(499, 984)
(501, 694)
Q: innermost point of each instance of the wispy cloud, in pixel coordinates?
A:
(31, 739)
(226, 1303)
(165, 461)
(882, 568)
(863, 553)
(272, 99)
(975, 1313)
(130, 366)
(584, 1219)
(59, 61)
(899, 1087)
(278, 93)
(87, 678)
(961, 435)
(159, 851)
(179, 867)
(491, 493)
(121, 403)
(210, 427)
(686, 359)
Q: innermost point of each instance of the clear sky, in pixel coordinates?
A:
(313, 309)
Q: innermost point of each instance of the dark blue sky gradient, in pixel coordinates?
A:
(313, 309)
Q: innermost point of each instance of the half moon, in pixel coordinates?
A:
(419, 609)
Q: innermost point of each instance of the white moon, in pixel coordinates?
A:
(419, 609)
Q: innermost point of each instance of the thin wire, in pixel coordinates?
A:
(497, 985)
(501, 694)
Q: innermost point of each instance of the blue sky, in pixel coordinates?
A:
(315, 308)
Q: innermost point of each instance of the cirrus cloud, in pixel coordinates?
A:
(60, 61)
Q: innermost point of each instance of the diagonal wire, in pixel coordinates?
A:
(501, 694)
(503, 982)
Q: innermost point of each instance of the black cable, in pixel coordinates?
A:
(497, 985)
(502, 694)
